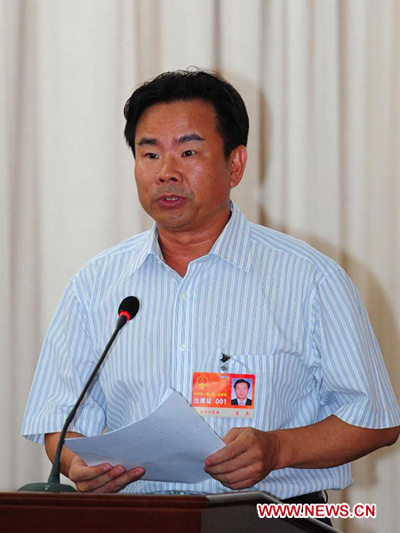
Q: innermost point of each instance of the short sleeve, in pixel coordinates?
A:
(354, 383)
(66, 362)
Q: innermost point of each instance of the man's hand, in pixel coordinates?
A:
(250, 454)
(99, 478)
(248, 457)
(103, 477)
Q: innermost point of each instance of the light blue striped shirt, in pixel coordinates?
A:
(279, 308)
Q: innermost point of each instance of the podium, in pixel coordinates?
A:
(30, 512)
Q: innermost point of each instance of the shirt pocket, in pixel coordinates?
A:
(261, 366)
(284, 388)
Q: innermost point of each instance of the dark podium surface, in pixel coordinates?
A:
(30, 512)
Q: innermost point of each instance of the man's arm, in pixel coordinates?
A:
(99, 478)
(250, 454)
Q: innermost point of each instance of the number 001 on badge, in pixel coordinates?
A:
(217, 394)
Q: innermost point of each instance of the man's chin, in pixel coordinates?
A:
(174, 219)
(174, 222)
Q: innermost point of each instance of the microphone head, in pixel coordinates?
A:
(129, 307)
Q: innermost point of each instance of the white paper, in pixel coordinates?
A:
(171, 443)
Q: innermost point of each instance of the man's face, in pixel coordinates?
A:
(182, 175)
(241, 390)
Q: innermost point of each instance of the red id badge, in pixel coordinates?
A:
(217, 394)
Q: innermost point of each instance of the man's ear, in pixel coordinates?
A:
(237, 164)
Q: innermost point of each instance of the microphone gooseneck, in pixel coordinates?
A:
(127, 310)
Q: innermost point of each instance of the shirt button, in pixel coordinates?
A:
(185, 296)
(182, 347)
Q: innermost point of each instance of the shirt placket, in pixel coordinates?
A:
(184, 320)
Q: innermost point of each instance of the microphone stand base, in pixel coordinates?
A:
(47, 487)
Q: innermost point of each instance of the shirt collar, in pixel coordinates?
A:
(233, 245)
(149, 248)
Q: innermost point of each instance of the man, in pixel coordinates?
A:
(210, 282)
(242, 388)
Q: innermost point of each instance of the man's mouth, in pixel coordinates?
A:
(171, 200)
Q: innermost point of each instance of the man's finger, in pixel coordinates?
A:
(233, 448)
(241, 460)
(232, 435)
(80, 471)
(89, 484)
(243, 484)
(122, 481)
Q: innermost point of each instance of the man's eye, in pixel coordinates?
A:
(187, 153)
(151, 155)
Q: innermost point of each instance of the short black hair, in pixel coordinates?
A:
(192, 84)
(242, 381)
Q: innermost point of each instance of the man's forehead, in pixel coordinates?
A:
(194, 103)
(196, 113)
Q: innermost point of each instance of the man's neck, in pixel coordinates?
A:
(180, 248)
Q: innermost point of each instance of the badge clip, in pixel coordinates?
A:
(224, 362)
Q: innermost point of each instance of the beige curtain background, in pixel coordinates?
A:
(322, 83)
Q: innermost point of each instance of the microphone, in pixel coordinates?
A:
(127, 310)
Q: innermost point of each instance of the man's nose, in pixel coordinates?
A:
(169, 171)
